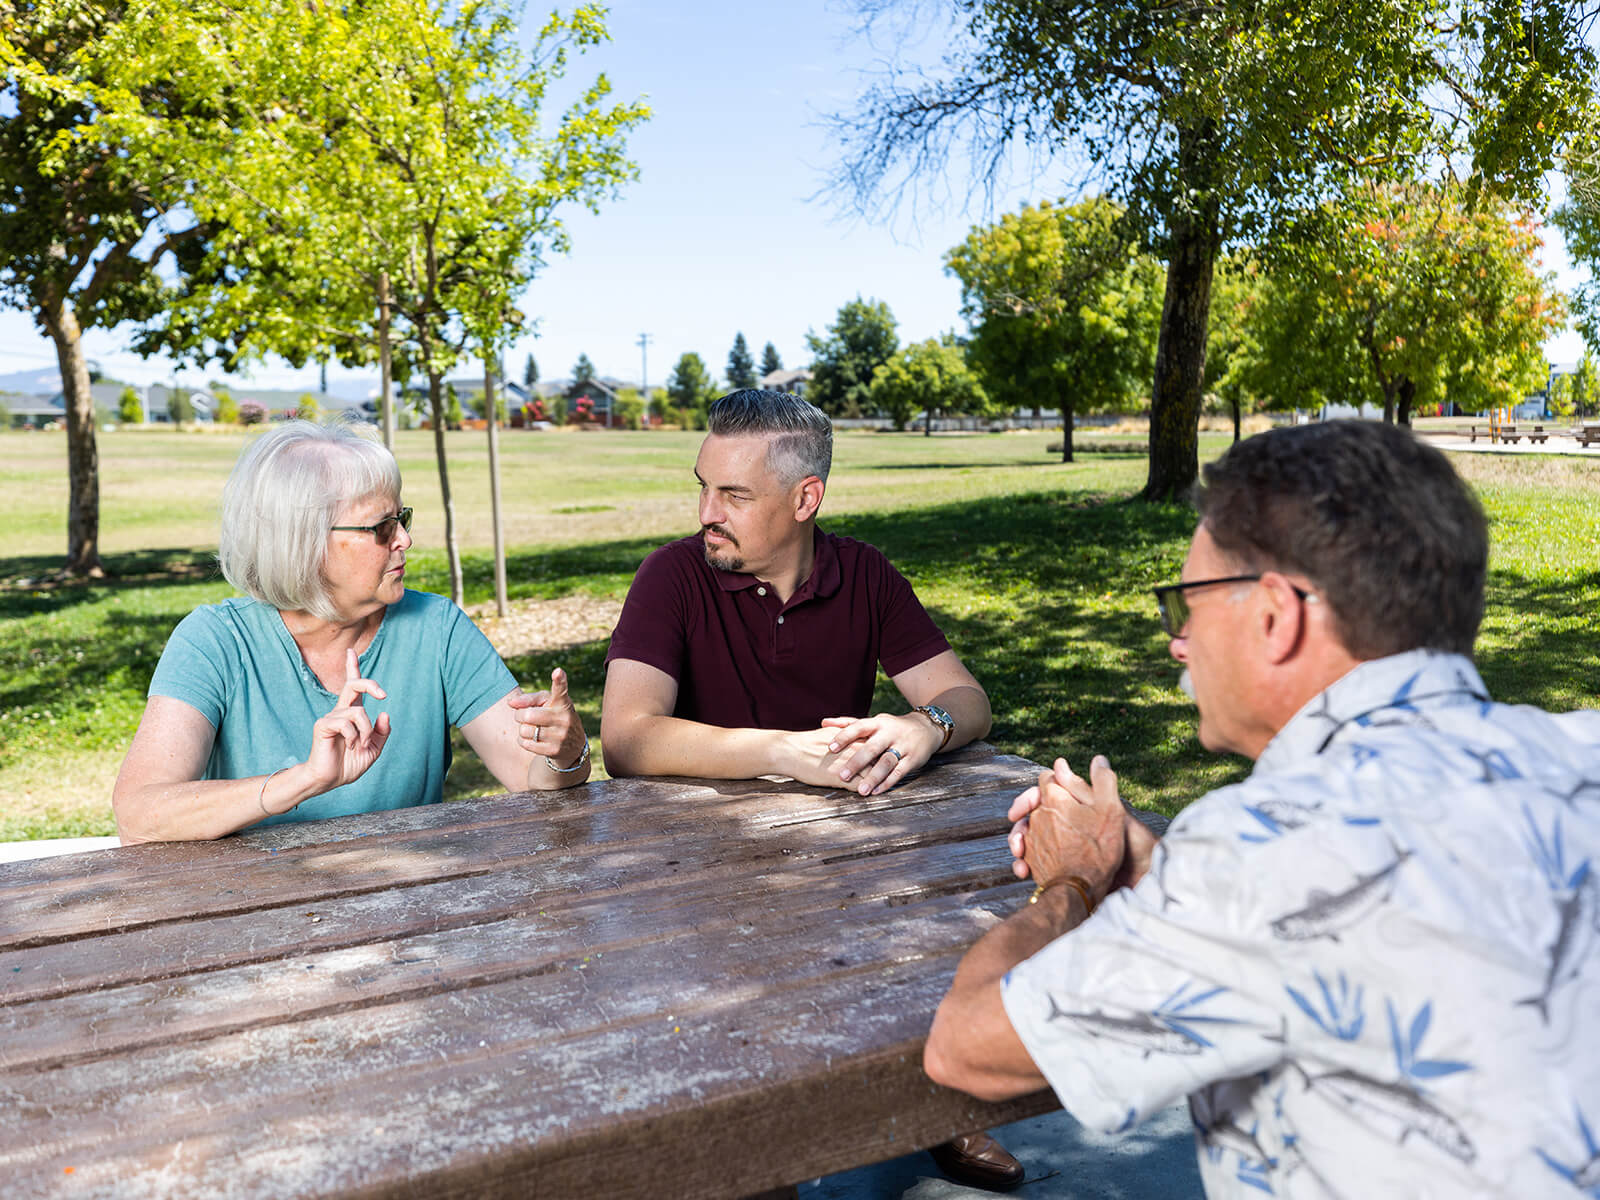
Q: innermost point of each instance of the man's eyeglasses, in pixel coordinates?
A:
(383, 531)
(1174, 605)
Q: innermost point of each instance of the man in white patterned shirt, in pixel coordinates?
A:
(1372, 966)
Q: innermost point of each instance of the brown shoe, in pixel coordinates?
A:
(977, 1160)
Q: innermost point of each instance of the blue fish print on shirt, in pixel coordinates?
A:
(1325, 916)
(1166, 1030)
(1578, 920)
(1584, 1175)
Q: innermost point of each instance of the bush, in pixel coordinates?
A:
(227, 407)
(129, 410)
(251, 413)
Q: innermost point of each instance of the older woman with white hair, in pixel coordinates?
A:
(329, 687)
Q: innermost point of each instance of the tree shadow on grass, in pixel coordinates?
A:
(31, 583)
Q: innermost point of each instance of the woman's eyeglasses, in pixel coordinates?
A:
(383, 531)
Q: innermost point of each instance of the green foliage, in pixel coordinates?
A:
(1428, 297)
(741, 366)
(179, 407)
(770, 360)
(129, 409)
(1576, 393)
(629, 408)
(931, 375)
(452, 407)
(861, 339)
(307, 408)
(1214, 123)
(1063, 309)
(227, 407)
(690, 390)
(530, 373)
(582, 374)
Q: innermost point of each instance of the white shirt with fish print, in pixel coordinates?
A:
(1373, 967)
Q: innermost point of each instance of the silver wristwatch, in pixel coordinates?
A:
(940, 718)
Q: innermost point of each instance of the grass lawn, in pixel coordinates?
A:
(1037, 571)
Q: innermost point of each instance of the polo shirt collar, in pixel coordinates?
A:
(823, 581)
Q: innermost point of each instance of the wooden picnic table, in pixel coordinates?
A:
(639, 988)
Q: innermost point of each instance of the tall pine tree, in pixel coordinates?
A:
(770, 361)
(741, 367)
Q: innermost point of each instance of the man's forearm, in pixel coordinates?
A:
(658, 745)
(972, 1045)
(969, 708)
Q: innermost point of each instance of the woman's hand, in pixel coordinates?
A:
(347, 741)
(548, 724)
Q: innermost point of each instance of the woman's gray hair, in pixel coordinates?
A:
(801, 436)
(288, 487)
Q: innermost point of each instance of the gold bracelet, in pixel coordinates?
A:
(261, 796)
(1077, 882)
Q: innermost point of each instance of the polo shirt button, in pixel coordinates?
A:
(780, 620)
(761, 591)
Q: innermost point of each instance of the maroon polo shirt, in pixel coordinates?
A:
(743, 660)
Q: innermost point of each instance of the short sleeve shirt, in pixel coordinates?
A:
(1374, 966)
(236, 663)
(744, 660)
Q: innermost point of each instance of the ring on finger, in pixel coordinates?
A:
(897, 755)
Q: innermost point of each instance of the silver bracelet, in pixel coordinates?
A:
(582, 758)
(261, 796)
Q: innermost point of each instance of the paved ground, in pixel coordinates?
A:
(1064, 1160)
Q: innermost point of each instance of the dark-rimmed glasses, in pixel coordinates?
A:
(1174, 605)
(383, 531)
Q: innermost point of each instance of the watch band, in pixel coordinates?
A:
(940, 718)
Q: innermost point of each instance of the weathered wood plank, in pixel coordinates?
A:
(502, 1107)
(763, 930)
(746, 814)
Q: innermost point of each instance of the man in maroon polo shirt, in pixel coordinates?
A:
(752, 648)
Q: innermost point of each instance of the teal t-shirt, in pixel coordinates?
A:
(236, 663)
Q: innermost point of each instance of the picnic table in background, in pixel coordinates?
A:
(640, 988)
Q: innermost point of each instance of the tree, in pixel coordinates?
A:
(394, 162)
(770, 362)
(129, 409)
(1062, 308)
(90, 218)
(1212, 122)
(582, 375)
(251, 413)
(1437, 299)
(741, 367)
(690, 389)
(860, 340)
(179, 407)
(227, 407)
(930, 375)
(452, 407)
(307, 407)
(530, 373)
(630, 408)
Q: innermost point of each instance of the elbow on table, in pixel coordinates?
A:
(947, 1066)
(618, 751)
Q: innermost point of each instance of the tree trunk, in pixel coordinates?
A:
(927, 421)
(83, 456)
(1407, 396)
(1238, 418)
(452, 550)
(494, 488)
(1185, 314)
(1066, 426)
(385, 370)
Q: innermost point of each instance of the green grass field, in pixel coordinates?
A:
(1039, 572)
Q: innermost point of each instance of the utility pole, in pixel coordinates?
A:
(644, 374)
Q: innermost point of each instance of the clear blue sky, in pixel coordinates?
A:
(723, 231)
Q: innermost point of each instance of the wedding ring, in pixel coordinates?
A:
(897, 755)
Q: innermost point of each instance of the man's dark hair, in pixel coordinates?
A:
(1379, 522)
(801, 434)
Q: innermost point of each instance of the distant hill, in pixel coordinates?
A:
(42, 381)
